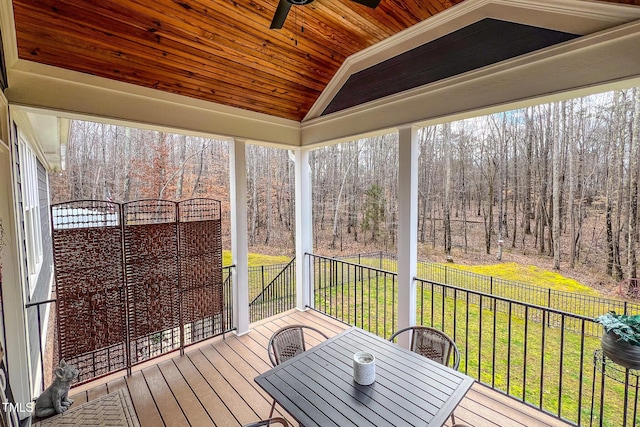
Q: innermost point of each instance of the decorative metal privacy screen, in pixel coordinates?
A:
(135, 280)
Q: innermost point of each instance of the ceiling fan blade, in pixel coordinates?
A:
(281, 14)
(371, 3)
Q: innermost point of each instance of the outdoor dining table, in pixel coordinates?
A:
(317, 387)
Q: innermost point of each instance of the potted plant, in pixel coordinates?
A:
(621, 338)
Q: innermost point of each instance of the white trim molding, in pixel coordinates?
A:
(73, 95)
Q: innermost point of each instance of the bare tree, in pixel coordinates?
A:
(446, 137)
(634, 172)
(556, 188)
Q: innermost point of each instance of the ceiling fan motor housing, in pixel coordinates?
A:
(284, 5)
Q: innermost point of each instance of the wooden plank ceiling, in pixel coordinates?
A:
(214, 50)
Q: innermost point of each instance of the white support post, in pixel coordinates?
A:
(239, 233)
(407, 227)
(304, 228)
(13, 292)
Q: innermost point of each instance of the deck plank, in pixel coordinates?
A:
(143, 401)
(241, 410)
(244, 386)
(490, 404)
(97, 392)
(213, 384)
(117, 384)
(170, 410)
(211, 402)
(483, 416)
(189, 402)
(250, 364)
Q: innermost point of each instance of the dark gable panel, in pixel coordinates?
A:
(483, 43)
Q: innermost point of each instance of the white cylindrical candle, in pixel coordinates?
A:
(364, 368)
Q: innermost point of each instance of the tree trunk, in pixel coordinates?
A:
(268, 188)
(182, 149)
(634, 172)
(526, 218)
(572, 191)
(617, 221)
(196, 184)
(556, 189)
(446, 135)
(336, 209)
(515, 194)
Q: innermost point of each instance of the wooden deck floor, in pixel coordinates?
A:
(212, 384)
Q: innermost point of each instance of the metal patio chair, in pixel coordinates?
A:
(433, 344)
(269, 422)
(288, 342)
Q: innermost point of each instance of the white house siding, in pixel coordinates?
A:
(17, 292)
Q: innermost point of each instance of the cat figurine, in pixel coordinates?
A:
(55, 399)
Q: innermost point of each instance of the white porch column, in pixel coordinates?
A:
(15, 323)
(407, 225)
(304, 228)
(239, 233)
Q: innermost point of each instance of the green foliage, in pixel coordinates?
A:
(529, 274)
(257, 259)
(156, 338)
(226, 258)
(625, 327)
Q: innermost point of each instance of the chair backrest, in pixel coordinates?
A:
(288, 342)
(432, 343)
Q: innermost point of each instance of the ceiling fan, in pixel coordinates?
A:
(283, 9)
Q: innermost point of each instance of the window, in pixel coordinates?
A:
(31, 212)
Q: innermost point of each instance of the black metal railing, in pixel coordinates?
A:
(42, 309)
(355, 294)
(543, 357)
(227, 295)
(537, 355)
(572, 302)
(275, 295)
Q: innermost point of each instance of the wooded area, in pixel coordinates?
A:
(558, 180)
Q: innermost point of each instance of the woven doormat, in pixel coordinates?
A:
(112, 410)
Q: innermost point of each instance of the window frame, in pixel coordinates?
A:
(32, 226)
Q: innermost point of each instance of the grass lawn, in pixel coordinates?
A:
(529, 274)
(256, 260)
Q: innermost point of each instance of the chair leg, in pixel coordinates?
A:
(273, 407)
(453, 419)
